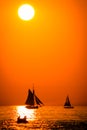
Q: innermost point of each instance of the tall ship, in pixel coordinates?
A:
(32, 101)
(67, 103)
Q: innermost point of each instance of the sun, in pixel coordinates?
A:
(26, 12)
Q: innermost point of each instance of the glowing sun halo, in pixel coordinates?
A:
(26, 12)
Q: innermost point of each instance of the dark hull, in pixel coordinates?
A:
(21, 120)
(68, 107)
(31, 107)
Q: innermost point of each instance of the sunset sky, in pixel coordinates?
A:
(49, 51)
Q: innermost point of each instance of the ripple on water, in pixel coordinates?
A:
(43, 125)
(45, 118)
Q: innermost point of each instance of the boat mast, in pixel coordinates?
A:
(34, 95)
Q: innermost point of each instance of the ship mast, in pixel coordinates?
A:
(34, 95)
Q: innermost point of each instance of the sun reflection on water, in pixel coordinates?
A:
(29, 113)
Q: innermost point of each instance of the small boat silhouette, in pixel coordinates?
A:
(22, 120)
(67, 103)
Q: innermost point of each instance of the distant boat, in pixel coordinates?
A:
(33, 101)
(67, 103)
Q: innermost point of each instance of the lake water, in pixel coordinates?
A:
(44, 118)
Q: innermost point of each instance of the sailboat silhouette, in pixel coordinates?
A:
(32, 100)
(67, 103)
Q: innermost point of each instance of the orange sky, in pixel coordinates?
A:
(49, 51)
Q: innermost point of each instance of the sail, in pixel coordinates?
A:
(38, 101)
(30, 98)
(67, 103)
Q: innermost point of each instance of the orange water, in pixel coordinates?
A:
(46, 117)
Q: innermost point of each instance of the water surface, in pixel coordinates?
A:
(44, 118)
